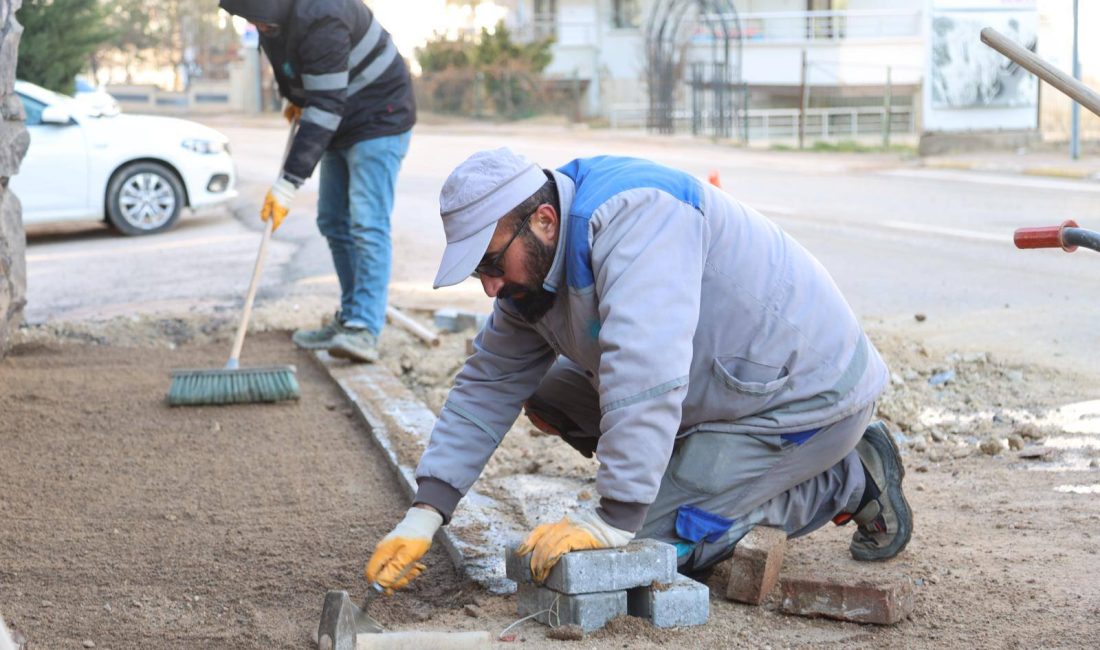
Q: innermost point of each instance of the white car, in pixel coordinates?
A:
(135, 171)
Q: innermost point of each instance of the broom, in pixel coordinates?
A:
(233, 384)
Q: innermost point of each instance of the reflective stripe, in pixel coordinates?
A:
(372, 71)
(331, 81)
(365, 44)
(323, 119)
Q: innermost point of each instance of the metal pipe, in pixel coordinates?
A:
(1075, 119)
(1076, 90)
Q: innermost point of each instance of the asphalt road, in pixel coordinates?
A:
(898, 239)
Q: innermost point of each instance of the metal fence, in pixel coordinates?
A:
(773, 124)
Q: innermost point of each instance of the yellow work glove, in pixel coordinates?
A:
(579, 531)
(277, 202)
(292, 113)
(395, 561)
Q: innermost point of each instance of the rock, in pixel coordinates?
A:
(88, 643)
(1036, 453)
(1015, 442)
(942, 377)
(990, 446)
(14, 141)
(1028, 431)
(472, 611)
(938, 436)
(1014, 376)
(920, 317)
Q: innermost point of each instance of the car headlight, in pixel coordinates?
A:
(205, 146)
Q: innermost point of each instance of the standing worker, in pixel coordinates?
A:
(343, 78)
(704, 356)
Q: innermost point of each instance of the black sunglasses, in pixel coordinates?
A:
(490, 268)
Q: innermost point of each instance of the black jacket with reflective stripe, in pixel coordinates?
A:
(334, 59)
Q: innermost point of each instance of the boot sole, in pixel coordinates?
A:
(312, 346)
(341, 352)
(883, 443)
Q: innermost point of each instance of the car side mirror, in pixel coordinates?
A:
(56, 115)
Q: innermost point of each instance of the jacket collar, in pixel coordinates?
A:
(567, 189)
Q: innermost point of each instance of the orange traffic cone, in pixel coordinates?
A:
(713, 179)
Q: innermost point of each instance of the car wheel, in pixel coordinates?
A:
(144, 198)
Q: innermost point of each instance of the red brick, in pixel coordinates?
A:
(754, 567)
(883, 602)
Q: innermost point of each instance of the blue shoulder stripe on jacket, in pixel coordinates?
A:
(600, 178)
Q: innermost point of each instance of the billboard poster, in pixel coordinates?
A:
(966, 73)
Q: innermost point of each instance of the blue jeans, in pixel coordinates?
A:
(353, 213)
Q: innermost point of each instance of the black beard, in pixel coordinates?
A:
(532, 301)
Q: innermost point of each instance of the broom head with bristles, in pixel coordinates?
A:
(233, 386)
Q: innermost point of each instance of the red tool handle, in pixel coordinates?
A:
(1044, 237)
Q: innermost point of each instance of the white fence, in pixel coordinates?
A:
(801, 26)
(822, 124)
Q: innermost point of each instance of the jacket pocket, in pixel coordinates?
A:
(748, 377)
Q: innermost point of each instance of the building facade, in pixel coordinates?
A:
(774, 69)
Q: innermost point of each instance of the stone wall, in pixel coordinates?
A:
(14, 141)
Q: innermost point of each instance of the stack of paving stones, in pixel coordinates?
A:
(589, 588)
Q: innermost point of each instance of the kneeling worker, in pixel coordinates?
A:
(704, 356)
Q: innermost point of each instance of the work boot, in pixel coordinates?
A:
(321, 338)
(884, 519)
(355, 344)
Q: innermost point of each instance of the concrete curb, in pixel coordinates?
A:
(1049, 171)
(401, 425)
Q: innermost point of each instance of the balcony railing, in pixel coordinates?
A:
(802, 26)
(761, 27)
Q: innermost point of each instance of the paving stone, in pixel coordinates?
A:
(885, 601)
(754, 567)
(454, 320)
(640, 563)
(682, 603)
(589, 611)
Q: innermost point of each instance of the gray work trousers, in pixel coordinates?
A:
(796, 483)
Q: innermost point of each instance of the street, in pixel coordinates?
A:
(898, 239)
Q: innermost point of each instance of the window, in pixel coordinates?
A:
(627, 14)
(545, 18)
(546, 9)
(33, 109)
(832, 24)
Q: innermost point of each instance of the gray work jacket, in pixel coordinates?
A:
(686, 309)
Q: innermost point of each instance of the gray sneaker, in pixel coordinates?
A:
(885, 521)
(355, 344)
(321, 338)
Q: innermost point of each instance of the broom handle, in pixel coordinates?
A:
(1076, 90)
(246, 313)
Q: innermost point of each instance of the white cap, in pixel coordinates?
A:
(477, 194)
